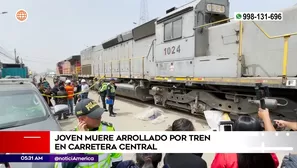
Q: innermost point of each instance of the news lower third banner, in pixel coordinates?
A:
(48, 158)
(61, 142)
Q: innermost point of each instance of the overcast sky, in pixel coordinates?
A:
(57, 29)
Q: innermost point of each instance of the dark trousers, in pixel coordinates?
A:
(84, 95)
(75, 99)
(110, 106)
(56, 100)
(48, 100)
(103, 101)
(64, 114)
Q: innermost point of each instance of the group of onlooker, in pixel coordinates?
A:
(64, 92)
(70, 92)
(45, 89)
(221, 160)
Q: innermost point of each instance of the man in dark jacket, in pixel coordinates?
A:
(62, 99)
(77, 90)
(46, 93)
(55, 90)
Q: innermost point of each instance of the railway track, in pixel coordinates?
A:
(199, 118)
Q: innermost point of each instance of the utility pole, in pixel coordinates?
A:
(15, 56)
(144, 15)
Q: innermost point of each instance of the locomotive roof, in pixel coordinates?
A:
(188, 5)
(98, 47)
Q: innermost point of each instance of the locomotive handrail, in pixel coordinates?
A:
(209, 24)
(286, 48)
(273, 37)
(286, 43)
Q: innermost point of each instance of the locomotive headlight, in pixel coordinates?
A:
(215, 8)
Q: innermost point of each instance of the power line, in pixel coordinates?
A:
(6, 56)
(5, 53)
(37, 58)
(38, 61)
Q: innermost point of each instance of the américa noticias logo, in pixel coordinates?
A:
(21, 15)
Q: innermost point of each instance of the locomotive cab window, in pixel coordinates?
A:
(173, 30)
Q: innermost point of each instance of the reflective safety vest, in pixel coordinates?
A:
(103, 87)
(70, 91)
(105, 159)
(112, 88)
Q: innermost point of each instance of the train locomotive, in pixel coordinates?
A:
(197, 58)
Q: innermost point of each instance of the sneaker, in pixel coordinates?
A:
(112, 115)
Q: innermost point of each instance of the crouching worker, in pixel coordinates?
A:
(143, 160)
(89, 116)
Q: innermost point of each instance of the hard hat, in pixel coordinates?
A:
(68, 81)
(83, 80)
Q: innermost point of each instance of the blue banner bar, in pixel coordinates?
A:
(48, 158)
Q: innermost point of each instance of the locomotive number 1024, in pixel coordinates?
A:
(172, 50)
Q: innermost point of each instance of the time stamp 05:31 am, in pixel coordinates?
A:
(258, 16)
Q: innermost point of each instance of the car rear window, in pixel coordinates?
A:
(20, 108)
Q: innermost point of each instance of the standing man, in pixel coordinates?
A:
(45, 83)
(55, 90)
(70, 94)
(77, 89)
(42, 90)
(62, 99)
(89, 116)
(84, 89)
(48, 94)
(110, 93)
(102, 93)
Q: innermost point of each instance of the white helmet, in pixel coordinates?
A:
(68, 81)
(83, 80)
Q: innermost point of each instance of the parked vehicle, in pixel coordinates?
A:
(24, 109)
(14, 70)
